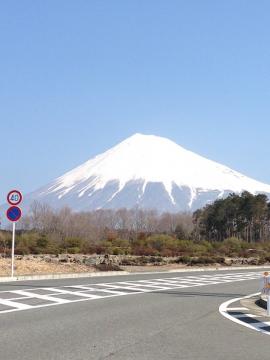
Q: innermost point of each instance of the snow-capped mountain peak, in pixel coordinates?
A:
(147, 171)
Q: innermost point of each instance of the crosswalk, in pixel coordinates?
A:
(236, 312)
(39, 297)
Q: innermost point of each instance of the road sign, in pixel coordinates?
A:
(14, 213)
(14, 197)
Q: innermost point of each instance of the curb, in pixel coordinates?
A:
(246, 315)
(122, 273)
(253, 304)
(225, 268)
(61, 276)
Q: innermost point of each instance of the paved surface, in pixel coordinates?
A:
(157, 316)
(37, 297)
(246, 312)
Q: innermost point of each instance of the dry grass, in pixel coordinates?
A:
(35, 267)
(41, 267)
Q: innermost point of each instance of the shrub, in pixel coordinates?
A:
(186, 246)
(42, 241)
(183, 260)
(233, 246)
(160, 242)
(167, 253)
(108, 267)
(202, 260)
(144, 251)
(73, 250)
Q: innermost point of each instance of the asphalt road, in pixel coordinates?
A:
(182, 323)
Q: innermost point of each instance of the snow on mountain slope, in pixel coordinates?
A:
(146, 171)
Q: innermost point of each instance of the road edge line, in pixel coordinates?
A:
(223, 311)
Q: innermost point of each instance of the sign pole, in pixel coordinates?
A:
(13, 247)
(268, 304)
(14, 213)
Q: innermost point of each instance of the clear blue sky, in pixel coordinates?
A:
(78, 76)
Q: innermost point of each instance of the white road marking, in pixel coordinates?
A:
(85, 292)
(112, 287)
(113, 292)
(241, 316)
(75, 293)
(13, 304)
(161, 282)
(224, 308)
(42, 297)
(80, 287)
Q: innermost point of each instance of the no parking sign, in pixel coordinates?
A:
(14, 213)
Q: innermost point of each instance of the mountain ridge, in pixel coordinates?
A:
(146, 171)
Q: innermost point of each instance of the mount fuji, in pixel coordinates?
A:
(148, 172)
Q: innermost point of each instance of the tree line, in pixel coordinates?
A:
(228, 226)
(244, 216)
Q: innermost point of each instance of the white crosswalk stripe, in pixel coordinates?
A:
(78, 293)
(28, 294)
(14, 304)
(16, 300)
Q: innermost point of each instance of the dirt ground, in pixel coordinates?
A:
(31, 267)
(39, 267)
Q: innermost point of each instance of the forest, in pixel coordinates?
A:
(244, 216)
(236, 226)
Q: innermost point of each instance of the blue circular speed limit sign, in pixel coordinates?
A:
(14, 213)
(14, 197)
